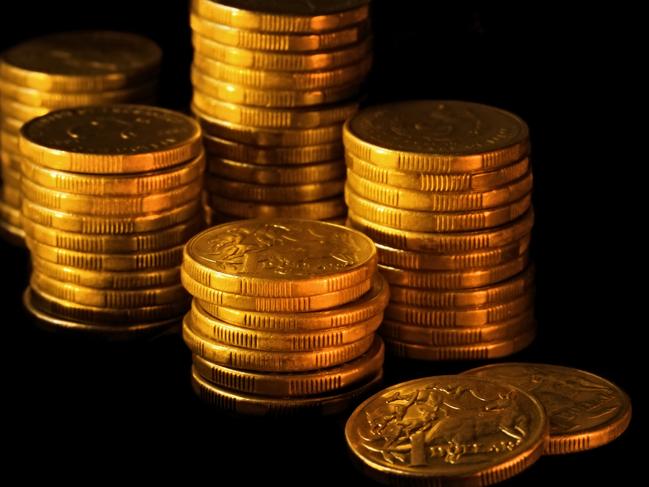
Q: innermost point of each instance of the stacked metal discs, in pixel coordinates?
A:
(443, 188)
(284, 315)
(273, 83)
(60, 71)
(110, 196)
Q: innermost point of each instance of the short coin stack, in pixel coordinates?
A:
(61, 71)
(110, 196)
(443, 188)
(284, 316)
(273, 83)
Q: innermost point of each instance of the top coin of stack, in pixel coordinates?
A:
(61, 71)
(273, 83)
(443, 188)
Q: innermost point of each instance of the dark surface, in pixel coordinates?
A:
(72, 406)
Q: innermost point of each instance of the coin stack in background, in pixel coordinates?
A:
(273, 83)
(284, 315)
(60, 71)
(110, 196)
(444, 190)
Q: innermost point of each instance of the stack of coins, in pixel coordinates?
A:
(110, 196)
(61, 71)
(284, 315)
(273, 83)
(443, 188)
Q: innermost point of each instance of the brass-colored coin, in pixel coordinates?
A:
(274, 117)
(11, 233)
(267, 137)
(364, 308)
(295, 385)
(454, 280)
(447, 430)
(496, 293)
(111, 139)
(280, 258)
(119, 317)
(315, 210)
(433, 201)
(302, 193)
(421, 181)
(278, 304)
(101, 298)
(278, 42)
(9, 142)
(107, 280)
(443, 337)
(10, 124)
(276, 175)
(10, 215)
(11, 177)
(281, 155)
(227, 91)
(241, 358)
(38, 98)
(11, 195)
(111, 206)
(441, 137)
(127, 185)
(585, 411)
(110, 244)
(424, 221)
(20, 111)
(444, 243)
(283, 17)
(86, 61)
(280, 61)
(160, 259)
(11, 159)
(236, 336)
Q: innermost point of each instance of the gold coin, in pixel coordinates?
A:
(425, 221)
(10, 124)
(11, 233)
(118, 317)
(160, 259)
(364, 308)
(38, 98)
(444, 243)
(274, 117)
(267, 137)
(9, 158)
(241, 358)
(294, 17)
(295, 385)
(111, 139)
(302, 193)
(281, 155)
(20, 111)
(280, 61)
(83, 204)
(11, 195)
(9, 143)
(10, 215)
(496, 293)
(276, 175)
(315, 210)
(278, 42)
(433, 201)
(107, 280)
(226, 91)
(585, 411)
(454, 280)
(280, 258)
(447, 430)
(109, 244)
(69, 222)
(444, 337)
(421, 181)
(85, 61)
(11, 177)
(126, 185)
(438, 137)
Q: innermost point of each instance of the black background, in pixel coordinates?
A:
(78, 409)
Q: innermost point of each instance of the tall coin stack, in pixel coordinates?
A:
(284, 316)
(273, 83)
(444, 189)
(61, 71)
(110, 196)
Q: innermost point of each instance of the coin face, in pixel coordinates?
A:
(455, 429)
(295, 7)
(585, 411)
